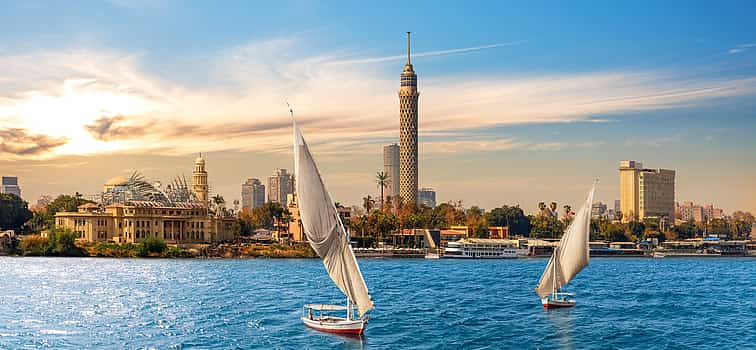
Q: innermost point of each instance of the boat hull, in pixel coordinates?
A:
(549, 303)
(336, 325)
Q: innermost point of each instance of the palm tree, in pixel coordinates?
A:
(368, 203)
(389, 203)
(542, 207)
(383, 180)
(567, 210)
(218, 201)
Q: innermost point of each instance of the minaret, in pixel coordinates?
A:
(199, 180)
(408, 97)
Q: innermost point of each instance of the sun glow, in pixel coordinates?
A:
(65, 111)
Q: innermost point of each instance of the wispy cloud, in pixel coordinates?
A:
(20, 142)
(104, 101)
(741, 48)
(653, 141)
(424, 54)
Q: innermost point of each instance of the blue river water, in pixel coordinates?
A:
(623, 303)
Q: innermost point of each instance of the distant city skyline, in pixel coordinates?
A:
(520, 104)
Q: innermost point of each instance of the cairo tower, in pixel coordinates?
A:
(408, 97)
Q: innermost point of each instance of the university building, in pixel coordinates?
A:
(136, 220)
(132, 209)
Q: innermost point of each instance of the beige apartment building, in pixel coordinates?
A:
(646, 193)
(135, 220)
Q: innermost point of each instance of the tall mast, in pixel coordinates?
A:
(408, 48)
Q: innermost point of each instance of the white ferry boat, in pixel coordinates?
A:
(480, 248)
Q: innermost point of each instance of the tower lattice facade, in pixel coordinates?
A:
(408, 98)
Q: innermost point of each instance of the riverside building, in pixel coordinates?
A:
(646, 193)
(133, 209)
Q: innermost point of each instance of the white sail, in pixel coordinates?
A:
(324, 229)
(572, 254)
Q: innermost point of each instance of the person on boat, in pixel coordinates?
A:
(309, 313)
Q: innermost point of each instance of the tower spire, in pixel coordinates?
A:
(408, 48)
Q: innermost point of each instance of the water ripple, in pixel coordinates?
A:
(247, 304)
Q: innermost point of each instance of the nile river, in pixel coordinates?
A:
(70, 303)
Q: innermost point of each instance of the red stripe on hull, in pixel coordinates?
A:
(352, 331)
(555, 306)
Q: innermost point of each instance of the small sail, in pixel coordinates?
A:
(324, 229)
(573, 253)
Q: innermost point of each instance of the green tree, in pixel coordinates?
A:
(476, 220)
(66, 203)
(14, 212)
(719, 227)
(62, 242)
(383, 181)
(152, 245)
(40, 220)
(685, 230)
(512, 217)
(614, 233)
(368, 203)
(635, 229)
(546, 227)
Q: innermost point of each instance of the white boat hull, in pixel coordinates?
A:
(336, 325)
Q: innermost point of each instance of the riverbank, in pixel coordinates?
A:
(206, 251)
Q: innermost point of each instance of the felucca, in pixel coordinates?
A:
(325, 232)
(569, 257)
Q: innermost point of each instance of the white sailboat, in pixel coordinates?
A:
(569, 258)
(325, 232)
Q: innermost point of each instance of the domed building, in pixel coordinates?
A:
(132, 209)
(115, 182)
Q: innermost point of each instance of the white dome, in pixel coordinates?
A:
(117, 181)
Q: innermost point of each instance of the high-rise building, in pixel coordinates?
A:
(598, 210)
(391, 168)
(253, 194)
(426, 196)
(9, 185)
(646, 193)
(280, 185)
(408, 98)
(200, 186)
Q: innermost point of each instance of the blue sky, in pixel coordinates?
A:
(560, 93)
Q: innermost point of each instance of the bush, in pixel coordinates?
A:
(152, 245)
(62, 242)
(34, 245)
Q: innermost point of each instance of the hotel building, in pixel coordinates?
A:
(280, 185)
(646, 193)
(426, 196)
(252, 194)
(391, 168)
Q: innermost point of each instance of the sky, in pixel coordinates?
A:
(520, 102)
